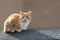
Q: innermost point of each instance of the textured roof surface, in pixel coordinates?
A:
(44, 34)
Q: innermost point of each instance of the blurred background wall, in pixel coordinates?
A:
(45, 13)
(7, 7)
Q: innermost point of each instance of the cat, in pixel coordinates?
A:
(17, 22)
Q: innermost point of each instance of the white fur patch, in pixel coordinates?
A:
(24, 25)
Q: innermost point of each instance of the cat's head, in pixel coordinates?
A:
(25, 16)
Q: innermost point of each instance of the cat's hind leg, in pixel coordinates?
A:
(17, 27)
(8, 29)
(5, 29)
(11, 29)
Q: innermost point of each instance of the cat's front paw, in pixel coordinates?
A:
(12, 31)
(18, 30)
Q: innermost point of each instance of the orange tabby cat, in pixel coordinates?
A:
(17, 21)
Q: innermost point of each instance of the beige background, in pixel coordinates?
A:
(45, 13)
(7, 7)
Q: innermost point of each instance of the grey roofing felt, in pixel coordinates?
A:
(43, 34)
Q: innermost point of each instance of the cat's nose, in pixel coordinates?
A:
(24, 20)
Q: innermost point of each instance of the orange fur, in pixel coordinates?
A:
(11, 24)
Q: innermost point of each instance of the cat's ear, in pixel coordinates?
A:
(29, 12)
(21, 12)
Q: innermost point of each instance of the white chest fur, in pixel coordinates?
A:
(24, 25)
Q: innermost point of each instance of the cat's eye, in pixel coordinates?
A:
(23, 17)
(26, 17)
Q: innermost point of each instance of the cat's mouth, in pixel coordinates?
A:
(24, 20)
